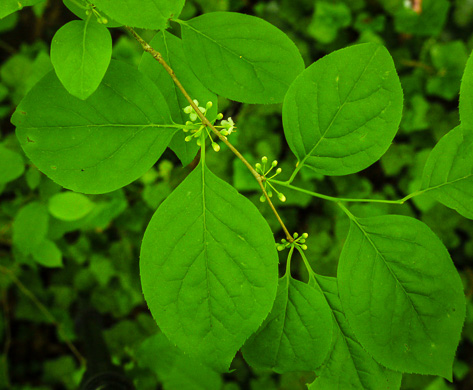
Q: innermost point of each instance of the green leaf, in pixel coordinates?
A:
(401, 294)
(297, 334)
(175, 369)
(100, 144)
(30, 227)
(241, 57)
(47, 254)
(339, 119)
(11, 165)
(80, 53)
(9, 6)
(70, 206)
(466, 95)
(208, 268)
(448, 172)
(149, 14)
(172, 51)
(349, 366)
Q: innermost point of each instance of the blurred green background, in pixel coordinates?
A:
(62, 253)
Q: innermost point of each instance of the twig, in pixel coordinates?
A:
(158, 57)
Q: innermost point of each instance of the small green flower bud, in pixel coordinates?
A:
(219, 116)
(281, 248)
(187, 110)
(88, 12)
(198, 142)
(209, 105)
(302, 240)
(103, 20)
(278, 171)
(284, 241)
(305, 235)
(258, 166)
(188, 138)
(264, 159)
(262, 199)
(215, 146)
(304, 247)
(295, 235)
(224, 132)
(270, 194)
(281, 197)
(274, 163)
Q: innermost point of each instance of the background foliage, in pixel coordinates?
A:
(62, 253)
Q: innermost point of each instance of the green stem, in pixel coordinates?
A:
(306, 262)
(259, 178)
(335, 199)
(288, 262)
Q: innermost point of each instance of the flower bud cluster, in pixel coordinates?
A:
(196, 128)
(298, 241)
(268, 186)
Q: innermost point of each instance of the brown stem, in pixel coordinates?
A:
(43, 310)
(158, 57)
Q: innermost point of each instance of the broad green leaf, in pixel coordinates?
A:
(100, 144)
(11, 165)
(172, 51)
(349, 366)
(30, 227)
(149, 14)
(466, 95)
(175, 369)
(7, 7)
(342, 113)
(80, 53)
(448, 173)
(241, 57)
(47, 254)
(296, 335)
(208, 268)
(70, 206)
(401, 294)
